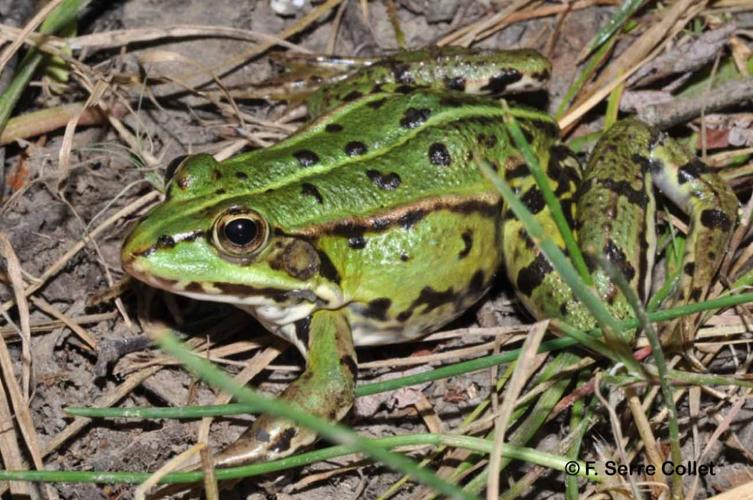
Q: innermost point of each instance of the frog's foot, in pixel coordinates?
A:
(630, 157)
(325, 389)
(712, 209)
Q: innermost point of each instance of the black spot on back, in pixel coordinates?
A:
(533, 200)
(302, 328)
(429, 298)
(531, 276)
(414, 117)
(456, 83)
(333, 128)
(714, 218)
(306, 158)
(635, 196)
(388, 182)
(350, 363)
(520, 170)
(310, 190)
(617, 257)
(352, 96)
(467, 244)
(402, 73)
(499, 82)
(691, 170)
(377, 104)
(356, 242)
(355, 148)
(327, 269)
(378, 308)
(241, 175)
(438, 154)
(689, 268)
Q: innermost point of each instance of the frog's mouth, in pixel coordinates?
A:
(231, 293)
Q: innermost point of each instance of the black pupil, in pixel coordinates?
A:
(241, 231)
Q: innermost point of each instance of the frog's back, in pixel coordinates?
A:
(388, 191)
(379, 153)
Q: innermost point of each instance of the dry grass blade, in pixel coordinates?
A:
(255, 365)
(467, 35)
(543, 10)
(619, 439)
(633, 58)
(35, 21)
(431, 358)
(20, 406)
(172, 465)
(64, 153)
(119, 38)
(232, 63)
(47, 308)
(37, 327)
(689, 55)
(13, 267)
(519, 378)
(643, 426)
(46, 120)
(9, 449)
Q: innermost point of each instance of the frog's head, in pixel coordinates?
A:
(213, 244)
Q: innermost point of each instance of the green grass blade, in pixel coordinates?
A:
(333, 432)
(546, 190)
(607, 32)
(479, 445)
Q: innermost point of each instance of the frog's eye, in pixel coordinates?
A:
(240, 233)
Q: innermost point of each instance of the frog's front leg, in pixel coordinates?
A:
(325, 389)
(688, 183)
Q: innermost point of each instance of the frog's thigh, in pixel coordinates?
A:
(616, 210)
(325, 389)
(536, 283)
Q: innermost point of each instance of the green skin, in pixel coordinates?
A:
(373, 225)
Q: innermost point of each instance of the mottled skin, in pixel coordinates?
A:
(373, 225)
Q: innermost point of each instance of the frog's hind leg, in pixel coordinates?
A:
(325, 389)
(712, 208)
(628, 159)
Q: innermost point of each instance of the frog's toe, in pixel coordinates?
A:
(269, 438)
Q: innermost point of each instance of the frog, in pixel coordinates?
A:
(373, 223)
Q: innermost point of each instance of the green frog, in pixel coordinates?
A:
(373, 223)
